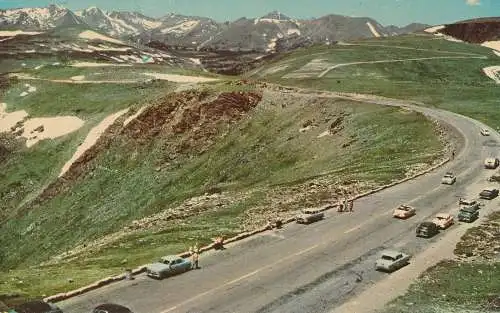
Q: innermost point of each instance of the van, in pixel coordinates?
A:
(427, 230)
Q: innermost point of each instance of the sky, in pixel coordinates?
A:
(386, 12)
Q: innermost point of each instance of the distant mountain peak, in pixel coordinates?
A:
(276, 15)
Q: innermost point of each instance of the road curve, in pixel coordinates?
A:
(312, 268)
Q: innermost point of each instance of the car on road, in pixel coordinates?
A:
(391, 260)
(443, 220)
(448, 179)
(168, 266)
(488, 194)
(485, 132)
(37, 307)
(491, 163)
(111, 308)
(469, 203)
(404, 211)
(309, 216)
(427, 230)
(495, 177)
(468, 214)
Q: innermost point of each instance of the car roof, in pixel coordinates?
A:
(468, 209)
(443, 215)
(157, 266)
(170, 257)
(391, 253)
(111, 308)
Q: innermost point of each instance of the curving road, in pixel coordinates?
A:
(313, 268)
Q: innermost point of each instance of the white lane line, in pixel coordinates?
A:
(239, 279)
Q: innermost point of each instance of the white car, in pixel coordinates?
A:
(448, 179)
(391, 260)
(485, 132)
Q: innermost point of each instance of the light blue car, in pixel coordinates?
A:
(168, 266)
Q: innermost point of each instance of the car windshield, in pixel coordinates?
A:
(387, 258)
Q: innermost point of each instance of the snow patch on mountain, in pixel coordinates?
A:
(181, 28)
(495, 45)
(12, 33)
(372, 29)
(91, 35)
(434, 29)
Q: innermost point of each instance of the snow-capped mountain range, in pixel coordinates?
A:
(271, 32)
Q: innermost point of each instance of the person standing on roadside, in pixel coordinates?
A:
(195, 256)
(351, 206)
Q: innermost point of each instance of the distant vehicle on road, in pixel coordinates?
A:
(489, 193)
(443, 220)
(309, 216)
(404, 211)
(468, 214)
(111, 308)
(491, 163)
(427, 230)
(448, 179)
(168, 266)
(391, 260)
(495, 177)
(37, 307)
(485, 132)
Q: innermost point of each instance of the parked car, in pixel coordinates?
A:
(168, 266)
(489, 193)
(391, 260)
(443, 220)
(485, 132)
(427, 230)
(37, 307)
(111, 308)
(309, 216)
(470, 202)
(491, 163)
(468, 214)
(448, 179)
(404, 211)
(495, 177)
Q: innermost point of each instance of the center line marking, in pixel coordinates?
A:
(239, 279)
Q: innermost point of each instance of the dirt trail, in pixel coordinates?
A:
(408, 48)
(394, 61)
(92, 138)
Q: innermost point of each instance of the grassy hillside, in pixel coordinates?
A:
(251, 156)
(453, 84)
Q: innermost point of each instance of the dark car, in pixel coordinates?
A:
(488, 194)
(37, 307)
(427, 230)
(111, 308)
(468, 214)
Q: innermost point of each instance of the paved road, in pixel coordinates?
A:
(312, 268)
